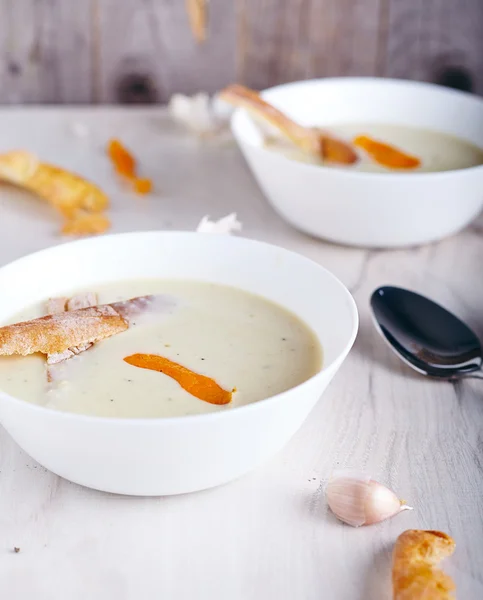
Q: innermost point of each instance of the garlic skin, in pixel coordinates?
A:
(193, 112)
(227, 224)
(357, 500)
(201, 114)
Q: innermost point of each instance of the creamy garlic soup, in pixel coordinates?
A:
(437, 151)
(240, 340)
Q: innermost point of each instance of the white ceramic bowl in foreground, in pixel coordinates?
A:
(369, 209)
(181, 454)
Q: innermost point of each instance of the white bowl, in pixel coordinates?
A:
(368, 209)
(181, 454)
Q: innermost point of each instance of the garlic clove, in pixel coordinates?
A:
(346, 496)
(357, 500)
(381, 503)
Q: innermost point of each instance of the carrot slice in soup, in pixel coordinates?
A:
(385, 154)
(200, 386)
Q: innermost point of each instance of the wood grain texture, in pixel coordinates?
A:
(269, 534)
(427, 36)
(153, 39)
(286, 40)
(143, 51)
(45, 51)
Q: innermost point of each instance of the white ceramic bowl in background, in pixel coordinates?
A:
(368, 209)
(181, 454)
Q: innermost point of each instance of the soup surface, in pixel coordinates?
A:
(240, 340)
(437, 151)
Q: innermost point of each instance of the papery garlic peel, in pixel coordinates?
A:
(228, 224)
(357, 500)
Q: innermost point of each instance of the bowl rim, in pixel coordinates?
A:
(166, 421)
(365, 175)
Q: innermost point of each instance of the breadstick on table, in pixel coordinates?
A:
(415, 573)
(80, 201)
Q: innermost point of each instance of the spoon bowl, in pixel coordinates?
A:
(427, 337)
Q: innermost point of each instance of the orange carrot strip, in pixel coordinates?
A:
(143, 186)
(386, 155)
(198, 385)
(122, 159)
(125, 165)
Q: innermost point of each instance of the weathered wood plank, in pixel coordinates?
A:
(144, 50)
(427, 36)
(285, 40)
(45, 51)
(147, 48)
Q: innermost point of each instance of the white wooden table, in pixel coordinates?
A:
(268, 535)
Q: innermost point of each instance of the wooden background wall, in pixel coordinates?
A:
(111, 51)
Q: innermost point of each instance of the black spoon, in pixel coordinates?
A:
(425, 335)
